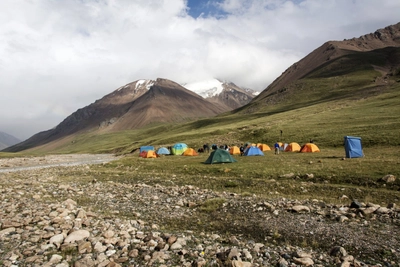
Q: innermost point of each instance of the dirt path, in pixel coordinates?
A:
(48, 161)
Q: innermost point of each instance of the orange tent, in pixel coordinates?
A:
(293, 147)
(234, 150)
(190, 152)
(263, 147)
(148, 154)
(309, 147)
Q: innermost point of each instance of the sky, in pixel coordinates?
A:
(57, 56)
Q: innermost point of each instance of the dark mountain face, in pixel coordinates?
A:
(337, 51)
(7, 140)
(130, 107)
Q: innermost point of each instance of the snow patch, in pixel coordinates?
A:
(207, 88)
(147, 83)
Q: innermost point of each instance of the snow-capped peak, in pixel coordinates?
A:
(147, 83)
(207, 88)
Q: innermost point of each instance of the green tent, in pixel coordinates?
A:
(220, 156)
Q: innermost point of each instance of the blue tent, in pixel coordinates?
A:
(253, 151)
(353, 147)
(146, 148)
(178, 148)
(163, 151)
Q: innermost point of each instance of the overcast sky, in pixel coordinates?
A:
(57, 56)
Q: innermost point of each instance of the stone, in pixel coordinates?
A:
(282, 263)
(57, 240)
(77, 236)
(84, 247)
(338, 251)
(388, 178)
(303, 261)
(355, 204)
(300, 208)
(237, 263)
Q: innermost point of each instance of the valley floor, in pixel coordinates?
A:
(63, 216)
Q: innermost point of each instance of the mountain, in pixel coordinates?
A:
(378, 51)
(132, 106)
(7, 140)
(225, 94)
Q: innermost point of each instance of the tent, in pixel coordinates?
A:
(309, 147)
(146, 148)
(190, 152)
(263, 147)
(253, 151)
(178, 148)
(293, 147)
(163, 151)
(219, 156)
(148, 154)
(283, 146)
(353, 147)
(234, 150)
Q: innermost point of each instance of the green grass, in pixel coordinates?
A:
(266, 176)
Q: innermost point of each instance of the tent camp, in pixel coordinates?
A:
(253, 151)
(163, 151)
(353, 147)
(293, 147)
(148, 154)
(219, 156)
(309, 147)
(234, 150)
(146, 148)
(178, 148)
(190, 152)
(263, 147)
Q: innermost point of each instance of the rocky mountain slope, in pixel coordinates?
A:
(384, 43)
(223, 93)
(7, 140)
(132, 106)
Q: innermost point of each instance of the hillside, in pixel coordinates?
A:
(375, 52)
(7, 140)
(132, 106)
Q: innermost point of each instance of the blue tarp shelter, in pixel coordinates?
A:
(146, 148)
(353, 147)
(163, 151)
(253, 151)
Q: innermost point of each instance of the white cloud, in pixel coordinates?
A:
(58, 56)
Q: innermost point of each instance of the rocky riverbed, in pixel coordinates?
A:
(50, 218)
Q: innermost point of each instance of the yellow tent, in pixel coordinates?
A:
(309, 147)
(293, 147)
(263, 147)
(190, 152)
(234, 150)
(148, 154)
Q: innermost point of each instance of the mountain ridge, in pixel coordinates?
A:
(329, 51)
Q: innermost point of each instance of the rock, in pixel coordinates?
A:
(77, 236)
(282, 263)
(343, 218)
(388, 178)
(237, 263)
(300, 208)
(338, 252)
(57, 240)
(355, 204)
(7, 231)
(303, 261)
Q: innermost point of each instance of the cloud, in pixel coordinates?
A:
(58, 56)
